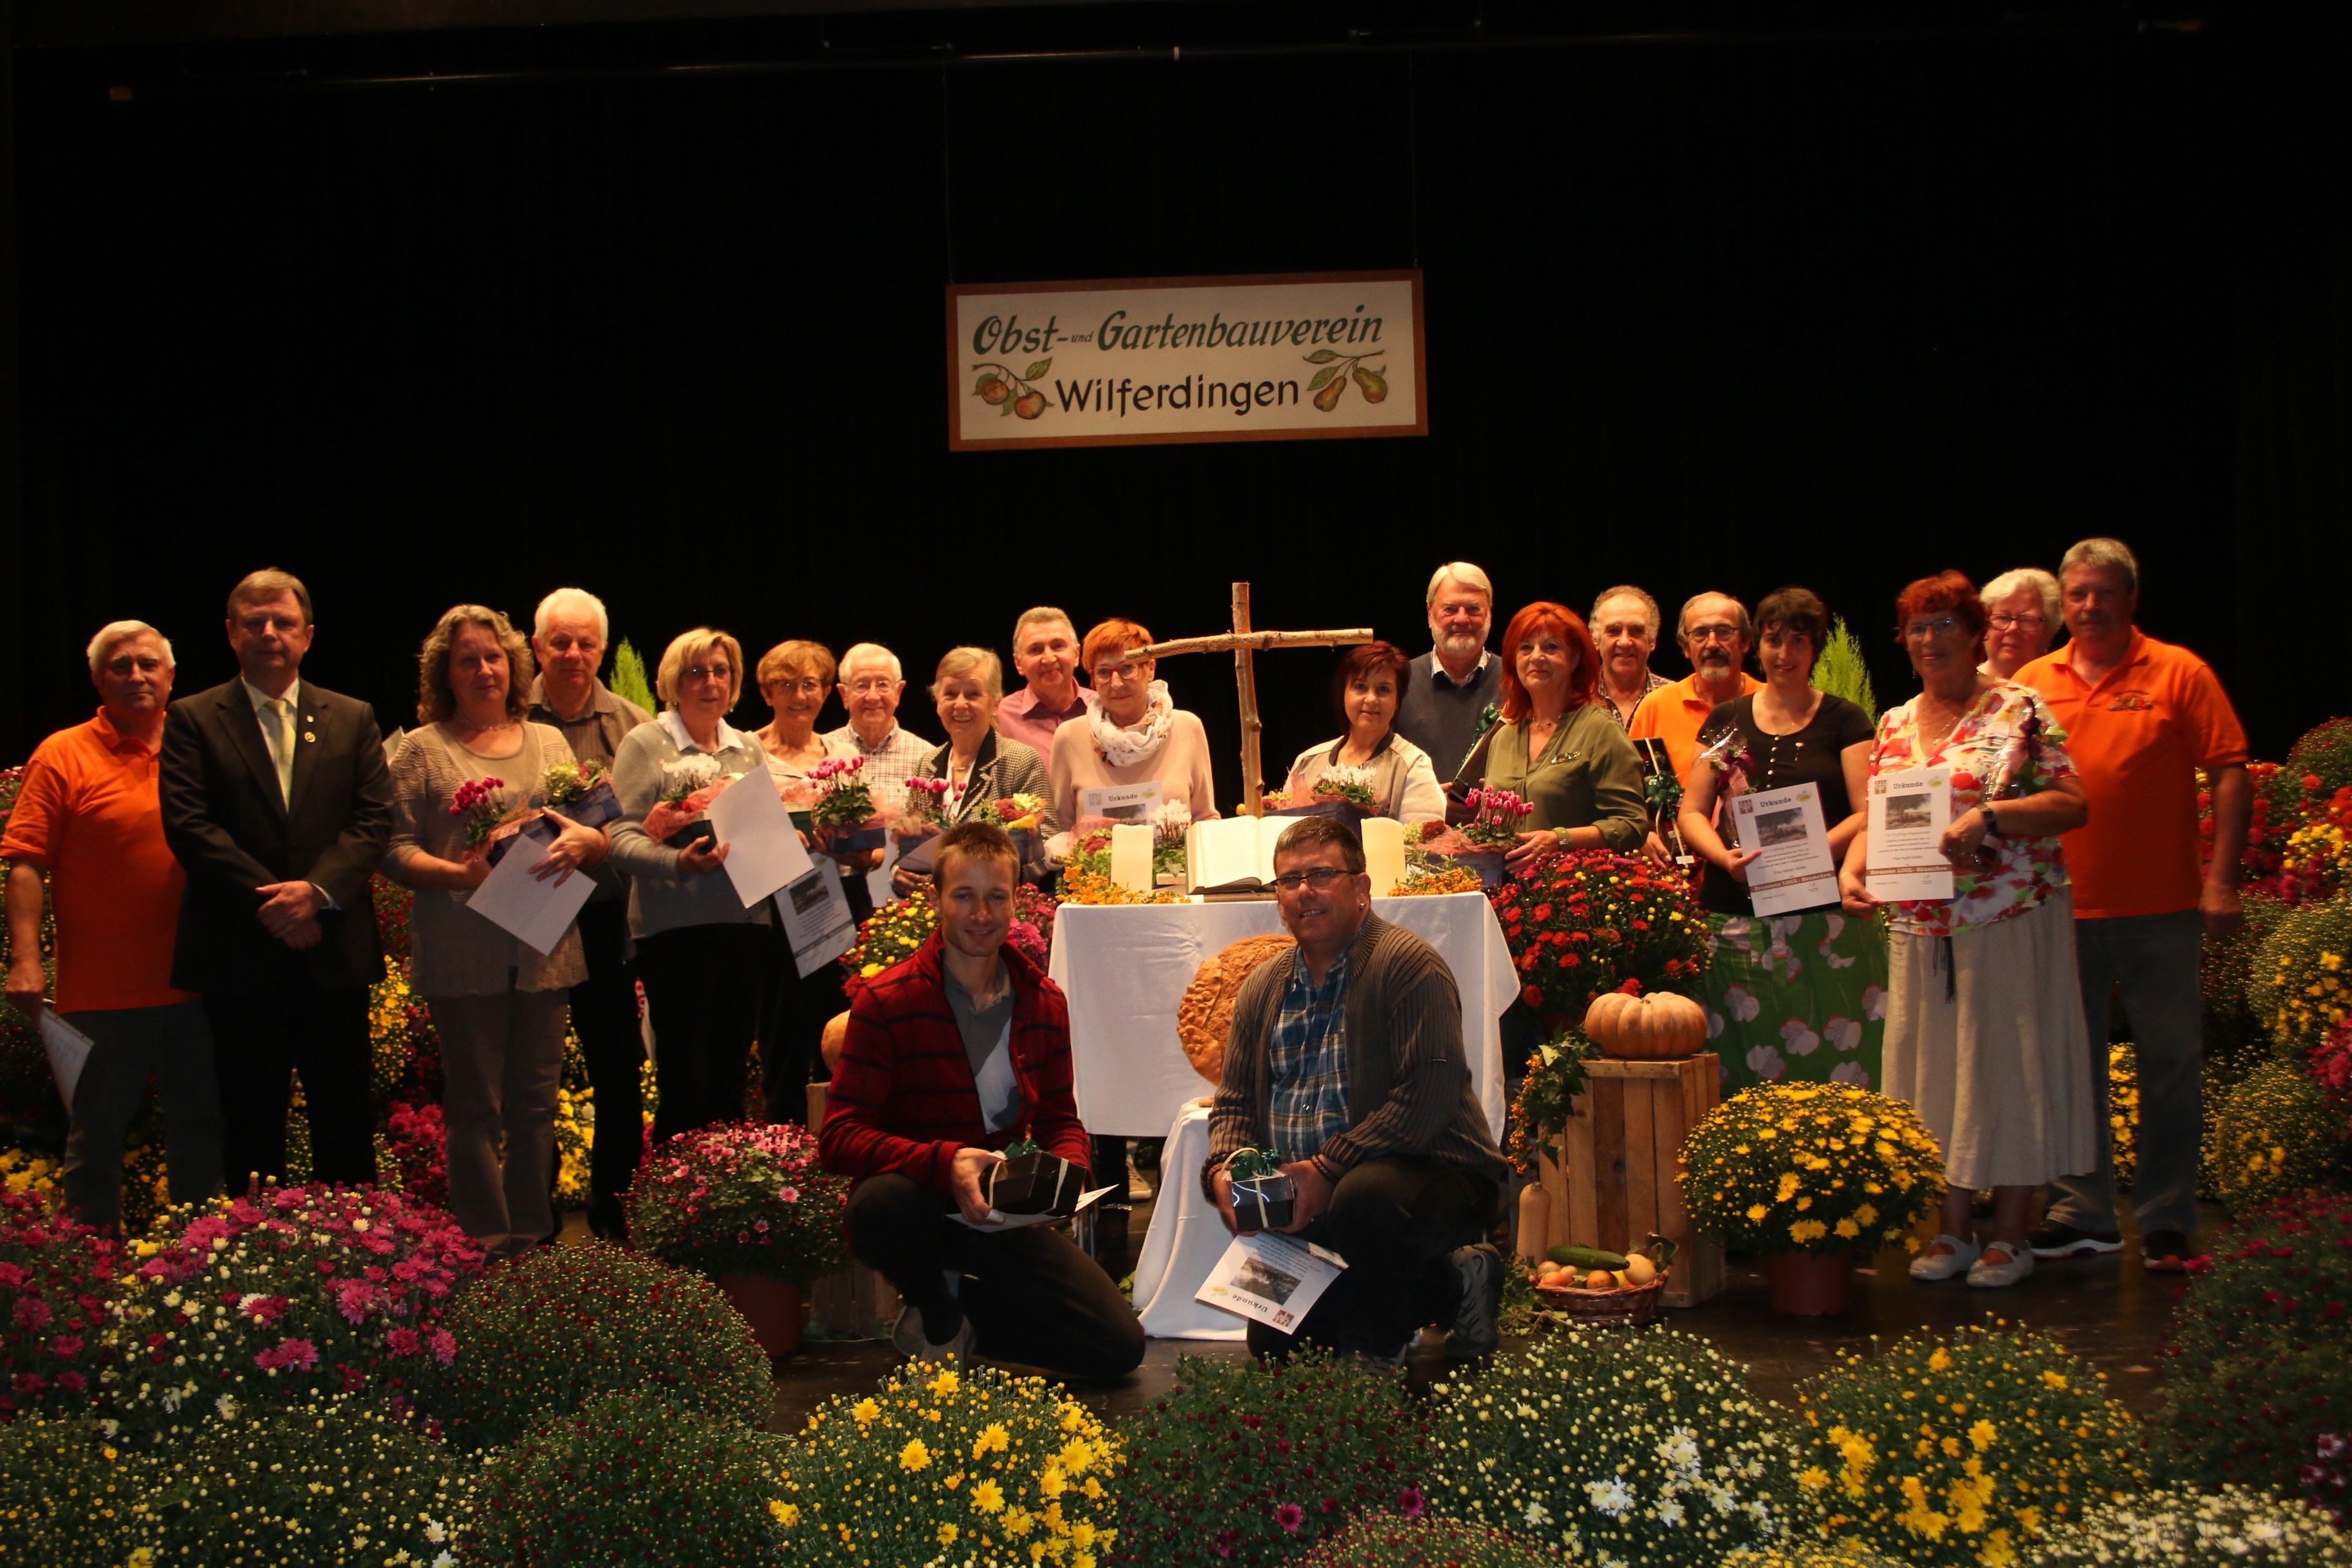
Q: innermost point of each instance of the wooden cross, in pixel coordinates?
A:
(1244, 644)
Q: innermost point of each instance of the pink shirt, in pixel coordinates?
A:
(1181, 766)
(1021, 717)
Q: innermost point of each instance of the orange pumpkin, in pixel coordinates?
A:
(1660, 1027)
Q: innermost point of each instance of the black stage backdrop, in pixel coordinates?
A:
(1727, 314)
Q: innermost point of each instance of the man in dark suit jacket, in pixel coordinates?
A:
(277, 801)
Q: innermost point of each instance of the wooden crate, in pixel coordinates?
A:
(1610, 1174)
(852, 1300)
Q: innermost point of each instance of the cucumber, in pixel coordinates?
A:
(1587, 1258)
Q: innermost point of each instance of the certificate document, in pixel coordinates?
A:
(814, 909)
(1908, 813)
(1122, 802)
(1271, 1278)
(1793, 869)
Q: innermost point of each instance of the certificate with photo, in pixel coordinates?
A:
(1122, 802)
(1792, 870)
(1271, 1278)
(1908, 813)
(814, 908)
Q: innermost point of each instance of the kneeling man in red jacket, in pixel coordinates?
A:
(952, 1053)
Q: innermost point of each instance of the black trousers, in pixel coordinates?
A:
(1032, 1295)
(604, 1015)
(260, 1040)
(702, 987)
(1396, 1219)
(794, 1010)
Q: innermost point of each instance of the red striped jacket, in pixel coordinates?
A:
(903, 1097)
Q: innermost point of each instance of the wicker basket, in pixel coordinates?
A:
(1634, 1304)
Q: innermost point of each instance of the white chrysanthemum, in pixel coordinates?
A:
(1611, 1496)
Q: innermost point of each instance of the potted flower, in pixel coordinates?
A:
(1263, 1194)
(1343, 792)
(582, 792)
(491, 821)
(748, 1204)
(1022, 815)
(1586, 923)
(923, 820)
(688, 784)
(845, 813)
(1808, 1174)
(1492, 832)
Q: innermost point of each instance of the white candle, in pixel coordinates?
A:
(1131, 858)
(1384, 853)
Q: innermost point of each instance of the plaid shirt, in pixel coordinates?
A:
(1306, 1062)
(889, 766)
(1624, 716)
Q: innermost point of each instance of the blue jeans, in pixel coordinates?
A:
(2150, 962)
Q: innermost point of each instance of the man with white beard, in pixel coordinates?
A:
(1715, 635)
(1441, 713)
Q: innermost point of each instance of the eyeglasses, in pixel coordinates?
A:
(1713, 634)
(806, 683)
(710, 672)
(872, 683)
(1319, 878)
(1942, 626)
(2003, 623)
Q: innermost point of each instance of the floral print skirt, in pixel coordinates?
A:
(1799, 997)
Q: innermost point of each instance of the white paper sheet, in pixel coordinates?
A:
(815, 913)
(877, 880)
(1794, 871)
(764, 850)
(1022, 1221)
(68, 1052)
(1273, 1279)
(537, 913)
(1908, 813)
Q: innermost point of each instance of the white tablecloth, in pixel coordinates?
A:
(1125, 967)
(1186, 1238)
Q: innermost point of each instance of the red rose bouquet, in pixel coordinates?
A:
(1590, 921)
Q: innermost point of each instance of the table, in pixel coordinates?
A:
(1186, 1238)
(1124, 968)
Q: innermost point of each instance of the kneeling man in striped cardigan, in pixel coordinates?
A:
(951, 1054)
(1346, 1059)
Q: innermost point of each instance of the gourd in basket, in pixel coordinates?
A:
(1659, 1027)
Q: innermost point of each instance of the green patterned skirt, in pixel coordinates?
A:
(1797, 998)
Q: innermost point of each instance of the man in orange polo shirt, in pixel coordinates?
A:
(1715, 635)
(89, 814)
(2141, 717)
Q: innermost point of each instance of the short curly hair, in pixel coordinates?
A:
(1945, 593)
(436, 699)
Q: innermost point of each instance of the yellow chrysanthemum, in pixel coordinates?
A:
(866, 1410)
(914, 1456)
(988, 1497)
(786, 1514)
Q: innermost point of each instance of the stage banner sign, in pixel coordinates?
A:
(1289, 357)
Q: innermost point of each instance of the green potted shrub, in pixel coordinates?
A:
(563, 1325)
(747, 1204)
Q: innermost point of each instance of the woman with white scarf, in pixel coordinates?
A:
(1134, 735)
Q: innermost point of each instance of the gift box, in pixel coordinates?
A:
(1035, 1183)
(1262, 1203)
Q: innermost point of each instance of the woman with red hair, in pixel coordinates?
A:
(1134, 734)
(1984, 1013)
(1556, 747)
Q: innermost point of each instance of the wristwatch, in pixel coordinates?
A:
(1992, 822)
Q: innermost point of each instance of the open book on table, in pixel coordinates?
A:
(1231, 854)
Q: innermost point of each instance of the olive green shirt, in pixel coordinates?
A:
(1588, 776)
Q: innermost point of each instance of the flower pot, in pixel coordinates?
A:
(771, 1307)
(700, 831)
(1264, 1203)
(598, 806)
(1035, 1183)
(1810, 1284)
(1488, 863)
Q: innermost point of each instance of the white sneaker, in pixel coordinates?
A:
(2015, 1263)
(911, 1340)
(1946, 1255)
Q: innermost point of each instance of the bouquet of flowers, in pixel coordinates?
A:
(480, 803)
(582, 792)
(1588, 920)
(1020, 812)
(744, 1198)
(844, 809)
(328, 1289)
(56, 1277)
(1495, 818)
(1086, 878)
(1726, 752)
(1351, 784)
(926, 810)
(688, 784)
(1811, 1167)
(1961, 1448)
(939, 1465)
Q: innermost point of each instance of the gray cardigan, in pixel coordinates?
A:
(1408, 1079)
(660, 899)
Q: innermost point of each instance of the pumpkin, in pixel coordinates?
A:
(1660, 1027)
(834, 1041)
